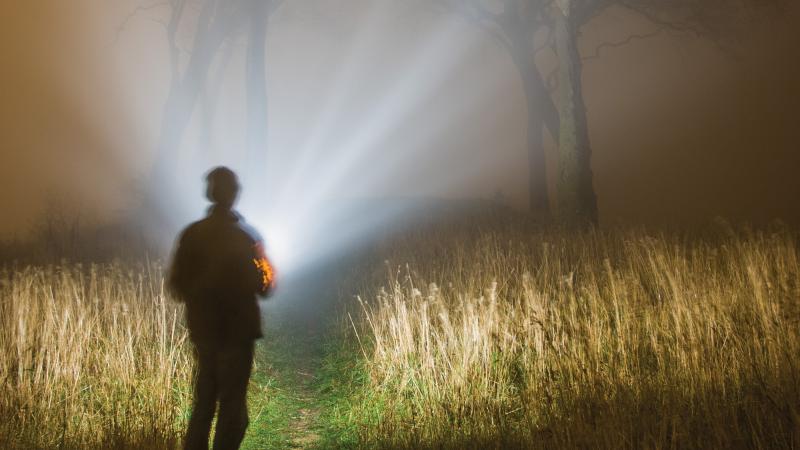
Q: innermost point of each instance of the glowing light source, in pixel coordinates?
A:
(265, 269)
(312, 202)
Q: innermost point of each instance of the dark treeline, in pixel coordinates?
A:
(55, 239)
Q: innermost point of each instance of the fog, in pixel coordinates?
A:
(372, 100)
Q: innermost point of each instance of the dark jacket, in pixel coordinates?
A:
(215, 272)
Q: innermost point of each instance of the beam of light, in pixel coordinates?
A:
(322, 211)
(341, 87)
(356, 159)
(424, 75)
(325, 198)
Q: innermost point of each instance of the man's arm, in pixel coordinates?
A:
(266, 271)
(178, 276)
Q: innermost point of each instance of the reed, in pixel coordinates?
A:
(92, 357)
(551, 339)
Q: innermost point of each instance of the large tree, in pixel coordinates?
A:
(515, 24)
(524, 26)
(216, 21)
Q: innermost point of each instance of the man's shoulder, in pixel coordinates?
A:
(199, 229)
(193, 228)
(252, 234)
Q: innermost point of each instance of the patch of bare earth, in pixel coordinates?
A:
(302, 427)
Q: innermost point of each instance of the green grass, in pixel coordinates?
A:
(270, 399)
(341, 386)
(339, 391)
(273, 394)
(278, 391)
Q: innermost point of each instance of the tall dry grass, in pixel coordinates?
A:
(90, 357)
(520, 338)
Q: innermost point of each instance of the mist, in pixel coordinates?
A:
(485, 224)
(383, 100)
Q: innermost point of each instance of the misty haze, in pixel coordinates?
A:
(273, 224)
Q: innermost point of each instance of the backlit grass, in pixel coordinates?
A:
(91, 357)
(518, 338)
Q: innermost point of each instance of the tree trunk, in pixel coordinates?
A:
(211, 100)
(257, 90)
(541, 113)
(180, 105)
(538, 202)
(577, 203)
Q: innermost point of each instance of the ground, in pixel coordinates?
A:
(284, 407)
(288, 393)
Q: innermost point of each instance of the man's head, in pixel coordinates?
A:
(223, 186)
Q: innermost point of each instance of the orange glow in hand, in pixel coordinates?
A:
(265, 268)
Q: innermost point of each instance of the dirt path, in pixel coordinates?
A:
(286, 409)
(290, 358)
(296, 327)
(303, 426)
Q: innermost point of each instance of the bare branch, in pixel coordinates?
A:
(158, 21)
(590, 9)
(546, 45)
(172, 30)
(551, 80)
(133, 13)
(472, 11)
(674, 25)
(633, 37)
(483, 13)
(274, 5)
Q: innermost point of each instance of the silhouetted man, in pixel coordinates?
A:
(218, 270)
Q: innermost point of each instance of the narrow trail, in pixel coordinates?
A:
(284, 392)
(304, 423)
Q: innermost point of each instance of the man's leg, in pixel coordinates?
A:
(236, 362)
(205, 400)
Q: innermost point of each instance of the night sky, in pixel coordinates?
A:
(681, 131)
